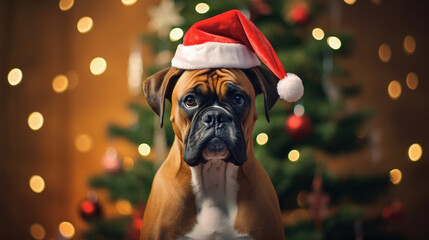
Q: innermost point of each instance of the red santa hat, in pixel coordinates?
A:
(230, 40)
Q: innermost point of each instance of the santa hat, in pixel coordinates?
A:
(231, 40)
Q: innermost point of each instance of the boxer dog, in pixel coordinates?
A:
(211, 185)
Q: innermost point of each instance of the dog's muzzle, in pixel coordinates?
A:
(215, 133)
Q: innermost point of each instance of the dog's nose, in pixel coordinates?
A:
(215, 117)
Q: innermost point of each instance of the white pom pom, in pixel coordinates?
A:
(290, 88)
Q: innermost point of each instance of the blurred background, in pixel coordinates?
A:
(74, 123)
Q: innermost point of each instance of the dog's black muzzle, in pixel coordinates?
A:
(217, 132)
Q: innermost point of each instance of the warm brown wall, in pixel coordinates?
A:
(404, 121)
(33, 38)
(43, 42)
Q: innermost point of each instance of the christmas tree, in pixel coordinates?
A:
(294, 147)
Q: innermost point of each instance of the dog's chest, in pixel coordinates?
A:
(215, 188)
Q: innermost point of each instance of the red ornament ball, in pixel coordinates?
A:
(298, 127)
(299, 13)
(89, 210)
(393, 212)
(133, 232)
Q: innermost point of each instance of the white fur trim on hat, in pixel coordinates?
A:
(214, 55)
(290, 88)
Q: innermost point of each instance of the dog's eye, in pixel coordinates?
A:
(190, 101)
(239, 100)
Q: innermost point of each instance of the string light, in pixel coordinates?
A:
(66, 229)
(60, 83)
(98, 65)
(66, 4)
(176, 34)
(293, 155)
(35, 121)
(318, 33)
(415, 152)
(144, 149)
(395, 176)
(85, 24)
(262, 138)
(409, 44)
(334, 42)
(14, 77)
(83, 143)
(202, 8)
(412, 81)
(377, 2)
(384, 53)
(129, 2)
(394, 89)
(37, 231)
(124, 207)
(37, 184)
(135, 71)
(350, 2)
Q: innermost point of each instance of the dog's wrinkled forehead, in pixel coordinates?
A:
(171, 83)
(213, 82)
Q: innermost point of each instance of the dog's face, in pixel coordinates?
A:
(213, 111)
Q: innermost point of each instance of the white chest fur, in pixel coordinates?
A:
(215, 188)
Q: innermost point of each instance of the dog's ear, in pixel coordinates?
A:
(265, 82)
(159, 87)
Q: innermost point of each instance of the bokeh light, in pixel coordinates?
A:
(262, 139)
(144, 149)
(293, 155)
(35, 121)
(318, 33)
(334, 42)
(394, 89)
(350, 2)
(163, 57)
(409, 44)
(129, 2)
(124, 207)
(85, 24)
(202, 8)
(176, 34)
(66, 230)
(83, 143)
(66, 4)
(415, 152)
(14, 77)
(412, 81)
(362, 132)
(384, 53)
(60, 83)
(73, 78)
(299, 110)
(98, 65)
(128, 163)
(395, 176)
(37, 184)
(37, 231)
(301, 199)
